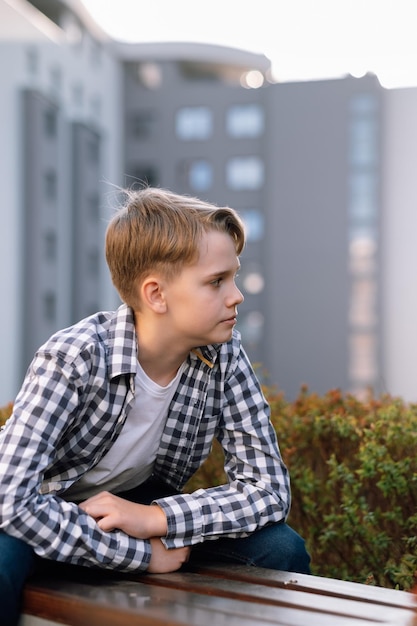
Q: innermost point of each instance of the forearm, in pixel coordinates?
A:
(234, 510)
(137, 520)
(60, 531)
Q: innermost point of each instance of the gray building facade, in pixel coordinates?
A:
(319, 171)
(301, 163)
(324, 209)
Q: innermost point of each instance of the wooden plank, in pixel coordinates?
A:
(212, 595)
(128, 603)
(283, 597)
(312, 584)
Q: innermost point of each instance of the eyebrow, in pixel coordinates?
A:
(224, 272)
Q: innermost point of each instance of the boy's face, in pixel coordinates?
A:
(202, 300)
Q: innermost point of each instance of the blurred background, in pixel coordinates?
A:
(303, 118)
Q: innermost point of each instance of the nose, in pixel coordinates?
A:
(237, 296)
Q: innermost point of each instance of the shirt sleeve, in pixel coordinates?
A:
(258, 488)
(44, 412)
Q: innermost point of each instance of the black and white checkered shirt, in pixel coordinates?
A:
(72, 406)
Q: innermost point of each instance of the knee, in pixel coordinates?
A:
(299, 557)
(283, 549)
(16, 562)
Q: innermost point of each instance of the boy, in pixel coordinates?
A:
(117, 412)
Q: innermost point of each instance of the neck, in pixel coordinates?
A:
(157, 357)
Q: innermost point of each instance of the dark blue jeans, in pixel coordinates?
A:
(17, 561)
(276, 546)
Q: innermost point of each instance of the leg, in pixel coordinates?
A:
(276, 546)
(16, 563)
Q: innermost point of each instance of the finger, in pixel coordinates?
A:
(95, 509)
(106, 524)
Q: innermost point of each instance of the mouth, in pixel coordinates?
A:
(231, 320)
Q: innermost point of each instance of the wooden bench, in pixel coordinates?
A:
(213, 595)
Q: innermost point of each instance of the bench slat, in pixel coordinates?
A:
(127, 603)
(214, 595)
(276, 596)
(312, 584)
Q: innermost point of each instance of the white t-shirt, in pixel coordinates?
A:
(130, 460)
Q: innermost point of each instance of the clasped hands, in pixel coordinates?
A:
(137, 520)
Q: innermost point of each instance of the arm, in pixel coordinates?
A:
(137, 520)
(258, 490)
(45, 433)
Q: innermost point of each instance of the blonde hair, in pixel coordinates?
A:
(158, 230)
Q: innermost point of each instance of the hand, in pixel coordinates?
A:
(137, 520)
(163, 560)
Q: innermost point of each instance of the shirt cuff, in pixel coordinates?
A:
(184, 521)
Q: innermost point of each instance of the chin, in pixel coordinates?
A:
(216, 337)
(224, 338)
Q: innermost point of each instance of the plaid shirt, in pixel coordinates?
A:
(72, 406)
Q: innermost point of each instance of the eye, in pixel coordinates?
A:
(216, 282)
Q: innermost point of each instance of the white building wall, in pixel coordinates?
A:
(85, 79)
(11, 68)
(400, 243)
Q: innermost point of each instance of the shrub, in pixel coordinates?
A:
(353, 467)
(5, 412)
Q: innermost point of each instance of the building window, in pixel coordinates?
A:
(364, 103)
(362, 313)
(254, 224)
(56, 80)
(93, 262)
(144, 175)
(32, 61)
(363, 146)
(363, 203)
(50, 245)
(362, 256)
(245, 120)
(194, 123)
(93, 202)
(96, 107)
(200, 175)
(93, 149)
(96, 53)
(78, 94)
(49, 306)
(363, 365)
(363, 229)
(245, 173)
(252, 327)
(50, 185)
(142, 124)
(50, 122)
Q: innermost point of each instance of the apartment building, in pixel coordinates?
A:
(321, 173)
(301, 164)
(60, 137)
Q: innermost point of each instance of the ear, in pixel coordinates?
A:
(153, 294)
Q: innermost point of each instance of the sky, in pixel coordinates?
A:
(304, 39)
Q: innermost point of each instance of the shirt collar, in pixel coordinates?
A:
(122, 351)
(207, 354)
